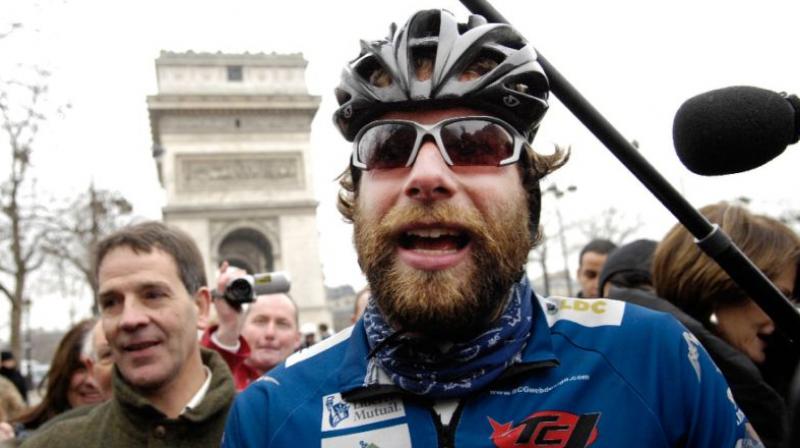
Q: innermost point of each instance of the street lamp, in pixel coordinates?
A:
(558, 194)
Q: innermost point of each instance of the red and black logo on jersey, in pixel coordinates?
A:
(547, 429)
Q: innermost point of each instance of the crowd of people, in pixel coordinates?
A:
(450, 345)
(675, 276)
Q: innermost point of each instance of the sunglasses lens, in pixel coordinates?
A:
(387, 145)
(477, 142)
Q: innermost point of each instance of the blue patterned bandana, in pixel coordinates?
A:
(421, 366)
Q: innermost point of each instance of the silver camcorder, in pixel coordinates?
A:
(246, 289)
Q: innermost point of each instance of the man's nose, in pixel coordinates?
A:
(269, 330)
(133, 316)
(430, 178)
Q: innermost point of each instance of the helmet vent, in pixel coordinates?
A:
(474, 21)
(371, 71)
(485, 62)
(529, 85)
(516, 44)
(435, 61)
(488, 54)
(342, 96)
(423, 57)
(427, 27)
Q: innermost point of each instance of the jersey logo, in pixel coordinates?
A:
(550, 429)
(337, 410)
(511, 101)
(338, 413)
(585, 312)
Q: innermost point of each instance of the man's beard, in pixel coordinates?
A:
(455, 303)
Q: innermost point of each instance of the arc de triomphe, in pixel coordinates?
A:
(231, 142)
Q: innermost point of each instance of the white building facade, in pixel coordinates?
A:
(231, 142)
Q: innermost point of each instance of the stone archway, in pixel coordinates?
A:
(248, 249)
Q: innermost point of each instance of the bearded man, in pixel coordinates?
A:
(454, 348)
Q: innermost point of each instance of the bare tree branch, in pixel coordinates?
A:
(612, 224)
(33, 248)
(75, 229)
(22, 109)
(6, 270)
(6, 292)
(37, 264)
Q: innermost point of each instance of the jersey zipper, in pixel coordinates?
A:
(447, 433)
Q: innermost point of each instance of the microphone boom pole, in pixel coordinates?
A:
(711, 239)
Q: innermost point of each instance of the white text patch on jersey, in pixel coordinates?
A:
(586, 312)
(392, 437)
(340, 414)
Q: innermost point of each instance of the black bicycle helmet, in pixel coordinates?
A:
(515, 89)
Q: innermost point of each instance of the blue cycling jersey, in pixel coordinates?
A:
(594, 373)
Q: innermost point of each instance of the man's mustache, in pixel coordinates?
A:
(467, 220)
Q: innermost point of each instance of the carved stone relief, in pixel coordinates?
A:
(229, 172)
(233, 122)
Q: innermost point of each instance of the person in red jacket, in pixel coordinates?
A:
(253, 340)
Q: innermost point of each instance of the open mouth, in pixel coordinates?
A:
(434, 239)
(433, 247)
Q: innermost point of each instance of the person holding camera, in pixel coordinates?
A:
(253, 340)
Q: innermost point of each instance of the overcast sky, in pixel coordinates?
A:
(636, 61)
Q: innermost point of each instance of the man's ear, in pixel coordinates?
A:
(202, 300)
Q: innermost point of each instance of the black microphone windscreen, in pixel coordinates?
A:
(732, 130)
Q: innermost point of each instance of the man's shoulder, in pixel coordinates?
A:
(313, 362)
(69, 429)
(81, 411)
(602, 314)
(612, 327)
(321, 352)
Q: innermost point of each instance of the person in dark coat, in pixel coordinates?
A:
(627, 276)
(10, 370)
(738, 335)
(167, 390)
(759, 401)
(628, 266)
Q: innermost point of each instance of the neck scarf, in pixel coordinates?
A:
(427, 367)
